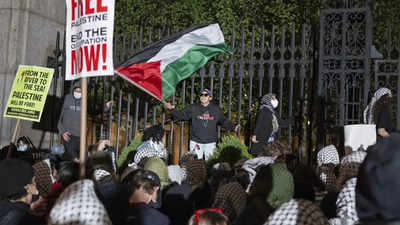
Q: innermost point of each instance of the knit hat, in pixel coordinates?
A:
(276, 149)
(297, 212)
(276, 182)
(188, 156)
(158, 166)
(378, 185)
(15, 174)
(232, 199)
(327, 155)
(79, 204)
(43, 178)
(195, 172)
(76, 84)
(346, 204)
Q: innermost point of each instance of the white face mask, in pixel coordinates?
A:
(274, 103)
(77, 95)
(22, 148)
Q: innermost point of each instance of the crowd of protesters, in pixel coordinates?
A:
(358, 188)
(345, 187)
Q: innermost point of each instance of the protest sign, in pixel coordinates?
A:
(29, 93)
(89, 38)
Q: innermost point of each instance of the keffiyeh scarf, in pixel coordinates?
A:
(368, 110)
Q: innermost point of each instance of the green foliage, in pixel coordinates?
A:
(230, 149)
(179, 14)
(125, 152)
(386, 16)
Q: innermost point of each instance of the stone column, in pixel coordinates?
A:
(28, 30)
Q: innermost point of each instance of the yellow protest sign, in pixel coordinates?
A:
(29, 93)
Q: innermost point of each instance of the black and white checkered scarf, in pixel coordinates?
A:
(346, 205)
(79, 204)
(297, 212)
(368, 110)
(266, 102)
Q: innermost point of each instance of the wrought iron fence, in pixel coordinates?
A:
(275, 60)
(265, 59)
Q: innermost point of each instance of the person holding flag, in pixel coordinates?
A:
(204, 118)
(160, 66)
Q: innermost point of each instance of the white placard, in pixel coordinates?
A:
(89, 38)
(359, 135)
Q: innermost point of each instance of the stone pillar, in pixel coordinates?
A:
(28, 30)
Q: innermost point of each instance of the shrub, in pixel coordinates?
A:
(127, 151)
(231, 149)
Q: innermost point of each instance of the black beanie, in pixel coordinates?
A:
(378, 183)
(15, 174)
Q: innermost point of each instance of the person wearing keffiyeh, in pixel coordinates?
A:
(328, 159)
(297, 212)
(266, 123)
(346, 205)
(378, 112)
(79, 204)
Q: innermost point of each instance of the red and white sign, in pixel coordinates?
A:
(89, 38)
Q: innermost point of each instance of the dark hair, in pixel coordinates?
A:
(279, 149)
(384, 103)
(155, 132)
(68, 173)
(242, 177)
(140, 178)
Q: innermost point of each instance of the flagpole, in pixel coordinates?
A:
(82, 155)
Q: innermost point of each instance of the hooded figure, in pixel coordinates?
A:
(232, 199)
(16, 191)
(328, 159)
(378, 186)
(266, 123)
(69, 123)
(378, 112)
(275, 183)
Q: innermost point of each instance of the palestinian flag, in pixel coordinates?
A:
(162, 65)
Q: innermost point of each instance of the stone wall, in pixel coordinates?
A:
(28, 30)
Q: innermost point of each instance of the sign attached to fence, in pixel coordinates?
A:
(29, 93)
(89, 38)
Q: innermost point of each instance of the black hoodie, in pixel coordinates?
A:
(204, 121)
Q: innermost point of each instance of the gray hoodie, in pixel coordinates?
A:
(70, 118)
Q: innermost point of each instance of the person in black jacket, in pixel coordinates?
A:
(379, 112)
(16, 192)
(204, 118)
(266, 123)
